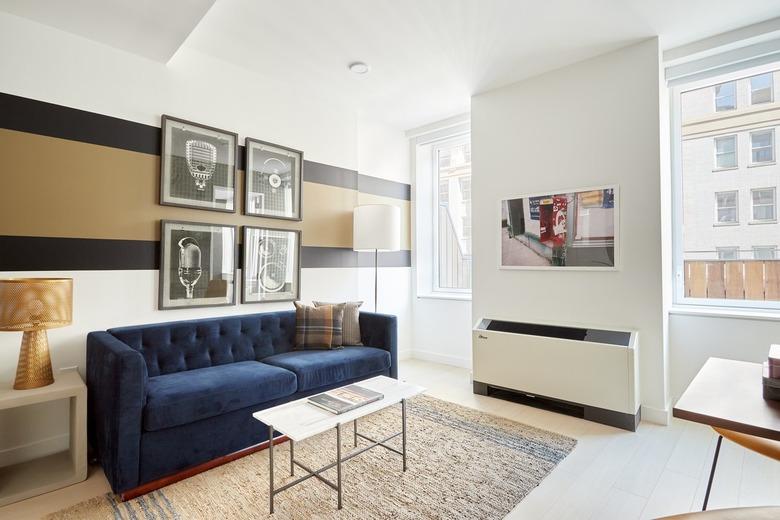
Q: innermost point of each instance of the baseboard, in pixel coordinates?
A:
(34, 450)
(656, 415)
(444, 359)
(404, 354)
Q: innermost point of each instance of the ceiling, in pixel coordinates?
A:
(427, 57)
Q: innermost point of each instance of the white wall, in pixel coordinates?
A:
(61, 68)
(694, 338)
(591, 123)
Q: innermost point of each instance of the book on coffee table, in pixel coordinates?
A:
(344, 399)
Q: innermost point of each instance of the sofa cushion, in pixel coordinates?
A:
(316, 368)
(192, 395)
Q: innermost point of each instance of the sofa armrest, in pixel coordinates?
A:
(116, 386)
(381, 331)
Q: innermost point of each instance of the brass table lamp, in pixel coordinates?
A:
(32, 305)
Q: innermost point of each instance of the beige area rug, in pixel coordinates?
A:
(461, 464)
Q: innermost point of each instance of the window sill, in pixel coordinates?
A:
(465, 297)
(758, 165)
(760, 222)
(725, 312)
(725, 224)
(729, 169)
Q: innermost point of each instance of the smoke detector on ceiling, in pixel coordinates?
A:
(358, 67)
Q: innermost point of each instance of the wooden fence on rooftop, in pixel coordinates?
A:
(733, 279)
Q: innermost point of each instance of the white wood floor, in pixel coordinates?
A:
(611, 474)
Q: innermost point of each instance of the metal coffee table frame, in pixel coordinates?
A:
(317, 473)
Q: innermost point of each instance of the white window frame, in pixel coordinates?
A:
(681, 303)
(728, 249)
(439, 145)
(715, 96)
(736, 208)
(425, 191)
(718, 168)
(771, 132)
(772, 248)
(771, 88)
(753, 219)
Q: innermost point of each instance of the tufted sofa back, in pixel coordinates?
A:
(186, 345)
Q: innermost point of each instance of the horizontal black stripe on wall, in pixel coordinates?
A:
(41, 118)
(19, 253)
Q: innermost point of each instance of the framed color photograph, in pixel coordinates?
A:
(198, 166)
(273, 180)
(197, 265)
(271, 269)
(568, 229)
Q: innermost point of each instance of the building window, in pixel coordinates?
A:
(726, 96)
(761, 89)
(764, 252)
(727, 207)
(726, 152)
(728, 253)
(764, 205)
(762, 146)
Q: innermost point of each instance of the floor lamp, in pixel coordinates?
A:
(376, 227)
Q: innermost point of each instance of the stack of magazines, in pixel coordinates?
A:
(342, 400)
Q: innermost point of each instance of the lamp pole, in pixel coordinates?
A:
(376, 279)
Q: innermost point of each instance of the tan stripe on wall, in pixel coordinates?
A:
(59, 188)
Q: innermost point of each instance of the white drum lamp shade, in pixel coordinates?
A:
(376, 227)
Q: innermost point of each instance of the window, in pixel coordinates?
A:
(727, 211)
(761, 89)
(726, 152)
(764, 252)
(762, 146)
(728, 253)
(732, 216)
(763, 205)
(726, 96)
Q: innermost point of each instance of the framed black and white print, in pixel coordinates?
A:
(197, 265)
(198, 166)
(271, 269)
(273, 180)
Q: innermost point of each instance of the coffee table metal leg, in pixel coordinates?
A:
(338, 463)
(355, 430)
(271, 466)
(403, 430)
(292, 457)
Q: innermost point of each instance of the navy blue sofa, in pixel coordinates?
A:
(169, 396)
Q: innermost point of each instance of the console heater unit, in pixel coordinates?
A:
(589, 373)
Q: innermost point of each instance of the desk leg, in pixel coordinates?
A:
(338, 463)
(403, 430)
(271, 467)
(712, 473)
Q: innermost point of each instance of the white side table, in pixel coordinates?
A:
(38, 476)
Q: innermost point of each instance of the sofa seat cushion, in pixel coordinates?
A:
(316, 368)
(192, 395)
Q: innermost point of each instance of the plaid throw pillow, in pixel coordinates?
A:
(318, 327)
(351, 325)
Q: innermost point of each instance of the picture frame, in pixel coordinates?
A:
(271, 265)
(198, 165)
(273, 180)
(571, 229)
(198, 265)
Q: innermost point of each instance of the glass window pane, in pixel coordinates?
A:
(453, 241)
(761, 88)
(765, 253)
(728, 198)
(763, 196)
(725, 96)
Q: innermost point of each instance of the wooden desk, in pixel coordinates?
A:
(728, 394)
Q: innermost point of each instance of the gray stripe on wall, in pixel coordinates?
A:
(383, 187)
(330, 175)
(323, 257)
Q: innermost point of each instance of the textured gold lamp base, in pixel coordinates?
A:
(34, 368)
